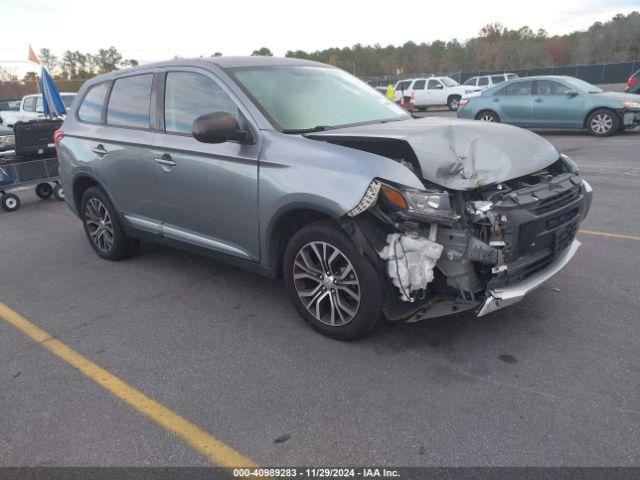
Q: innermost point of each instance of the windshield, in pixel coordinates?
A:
(582, 86)
(449, 82)
(303, 98)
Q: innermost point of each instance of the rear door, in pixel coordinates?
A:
(120, 143)
(209, 192)
(553, 107)
(419, 89)
(514, 103)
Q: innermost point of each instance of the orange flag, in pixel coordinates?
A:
(32, 56)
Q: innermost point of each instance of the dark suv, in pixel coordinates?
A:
(295, 168)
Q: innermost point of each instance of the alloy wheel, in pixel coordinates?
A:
(454, 103)
(601, 123)
(326, 283)
(99, 225)
(487, 117)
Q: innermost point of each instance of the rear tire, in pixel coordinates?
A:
(102, 226)
(9, 202)
(454, 102)
(44, 190)
(334, 288)
(603, 123)
(488, 116)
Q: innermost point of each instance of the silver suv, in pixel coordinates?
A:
(295, 168)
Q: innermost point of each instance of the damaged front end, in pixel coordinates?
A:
(446, 251)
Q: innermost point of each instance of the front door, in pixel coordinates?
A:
(208, 192)
(435, 94)
(553, 106)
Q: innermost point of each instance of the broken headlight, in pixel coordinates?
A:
(418, 205)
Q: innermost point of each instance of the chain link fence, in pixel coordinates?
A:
(597, 74)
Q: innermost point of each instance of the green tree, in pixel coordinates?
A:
(263, 52)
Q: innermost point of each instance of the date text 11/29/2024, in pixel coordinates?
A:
(315, 473)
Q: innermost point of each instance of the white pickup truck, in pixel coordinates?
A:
(31, 107)
(433, 91)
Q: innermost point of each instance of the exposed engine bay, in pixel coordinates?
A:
(445, 251)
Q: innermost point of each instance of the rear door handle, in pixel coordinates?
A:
(165, 162)
(99, 150)
(538, 100)
(495, 99)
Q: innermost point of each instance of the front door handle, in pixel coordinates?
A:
(538, 100)
(165, 162)
(99, 150)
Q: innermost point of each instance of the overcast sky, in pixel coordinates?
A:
(158, 30)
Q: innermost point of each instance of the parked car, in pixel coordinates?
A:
(31, 107)
(297, 169)
(401, 89)
(633, 85)
(554, 102)
(434, 91)
(483, 82)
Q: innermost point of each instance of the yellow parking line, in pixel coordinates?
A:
(209, 446)
(611, 235)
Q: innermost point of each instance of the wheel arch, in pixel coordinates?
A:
(81, 183)
(595, 109)
(285, 223)
(487, 110)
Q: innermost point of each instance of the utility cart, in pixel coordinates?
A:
(33, 161)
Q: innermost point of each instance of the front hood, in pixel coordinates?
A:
(460, 154)
(620, 96)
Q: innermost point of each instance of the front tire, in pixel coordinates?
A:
(334, 288)
(488, 116)
(603, 123)
(453, 102)
(102, 227)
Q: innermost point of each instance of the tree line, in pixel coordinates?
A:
(494, 48)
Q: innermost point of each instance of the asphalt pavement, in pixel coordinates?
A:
(551, 381)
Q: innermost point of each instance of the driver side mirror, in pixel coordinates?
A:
(439, 86)
(571, 93)
(218, 127)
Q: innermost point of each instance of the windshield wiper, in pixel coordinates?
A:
(317, 128)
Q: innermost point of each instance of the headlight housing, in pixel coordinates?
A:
(419, 205)
(631, 105)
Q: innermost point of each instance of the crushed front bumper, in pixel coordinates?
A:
(503, 297)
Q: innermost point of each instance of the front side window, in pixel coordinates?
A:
(29, 104)
(130, 101)
(483, 81)
(433, 85)
(419, 85)
(496, 79)
(302, 98)
(549, 87)
(472, 82)
(91, 107)
(190, 95)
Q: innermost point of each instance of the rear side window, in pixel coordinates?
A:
(29, 104)
(519, 88)
(497, 79)
(511, 76)
(189, 95)
(419, 85)
(91, 107)
(129, 102)
(483, 81)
